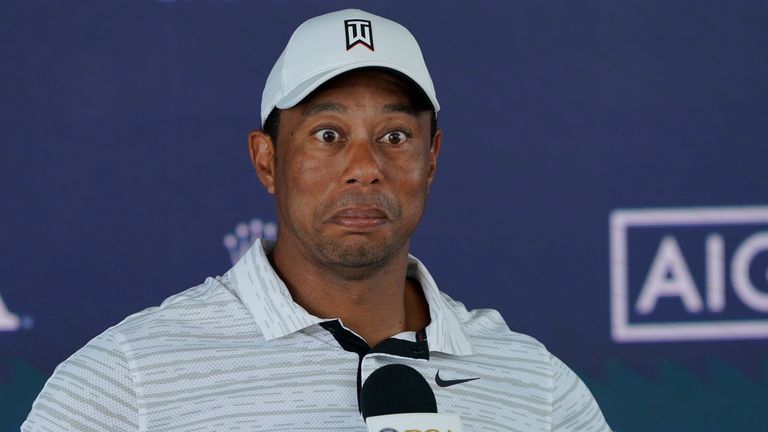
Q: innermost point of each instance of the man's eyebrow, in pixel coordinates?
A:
(400, 108)
(323, 107)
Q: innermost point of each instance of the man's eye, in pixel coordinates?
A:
(327, 135)
(394, 137)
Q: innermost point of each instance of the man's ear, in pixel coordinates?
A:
(434, 150)
(262, 151)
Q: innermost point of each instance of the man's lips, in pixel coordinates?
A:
(363, 218)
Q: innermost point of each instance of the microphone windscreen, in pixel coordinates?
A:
(396, 389)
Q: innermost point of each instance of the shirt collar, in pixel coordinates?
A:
(444, 331)
(272, 307)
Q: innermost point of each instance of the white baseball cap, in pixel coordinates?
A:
(327, 45)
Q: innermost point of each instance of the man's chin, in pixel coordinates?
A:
(358, 253)
(358, 257)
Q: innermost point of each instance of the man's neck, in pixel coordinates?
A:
(378, 305)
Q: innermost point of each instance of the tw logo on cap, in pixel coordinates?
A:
(358, 31)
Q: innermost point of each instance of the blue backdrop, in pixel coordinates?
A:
(602, 180)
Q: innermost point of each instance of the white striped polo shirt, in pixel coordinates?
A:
(237, 354)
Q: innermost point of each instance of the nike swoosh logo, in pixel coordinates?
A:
(446, 383)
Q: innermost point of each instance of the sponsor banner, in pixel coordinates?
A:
(689, 274)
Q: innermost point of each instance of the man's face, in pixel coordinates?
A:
(353, 165)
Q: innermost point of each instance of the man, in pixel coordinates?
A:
(286, 339)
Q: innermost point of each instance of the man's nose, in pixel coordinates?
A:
(363, 165)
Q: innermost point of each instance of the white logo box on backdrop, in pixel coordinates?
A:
(718, 307)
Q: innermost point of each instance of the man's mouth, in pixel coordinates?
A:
(363, 218)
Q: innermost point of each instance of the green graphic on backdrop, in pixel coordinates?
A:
(16, 395)
(725, 399)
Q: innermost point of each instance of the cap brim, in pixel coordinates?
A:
(300, 91)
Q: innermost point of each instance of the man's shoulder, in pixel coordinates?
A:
(118, 365)
(487, 329)
(208, 311)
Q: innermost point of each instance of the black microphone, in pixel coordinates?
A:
(396, 397)
(396, 389)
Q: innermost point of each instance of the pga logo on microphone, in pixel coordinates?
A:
(689, 274)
